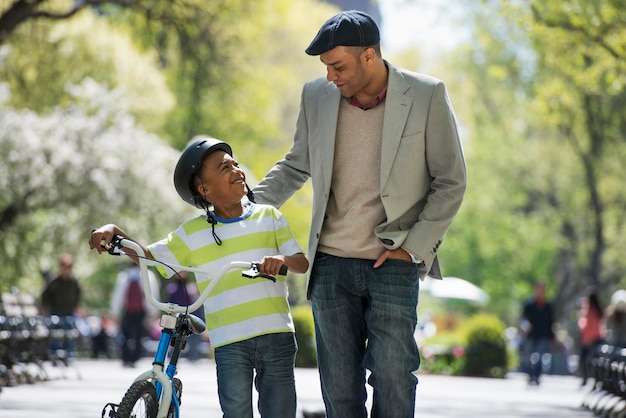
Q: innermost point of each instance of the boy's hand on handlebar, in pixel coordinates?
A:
(100, 239)
(108, 238)
(271, 265)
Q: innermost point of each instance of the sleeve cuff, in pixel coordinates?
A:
(415, 259)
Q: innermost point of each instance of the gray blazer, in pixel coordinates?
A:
(422, 168)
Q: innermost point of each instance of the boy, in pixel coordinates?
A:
(249, 322)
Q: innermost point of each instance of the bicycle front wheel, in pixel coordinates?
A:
(140, 401)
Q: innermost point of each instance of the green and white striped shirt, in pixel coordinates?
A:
(238, 308)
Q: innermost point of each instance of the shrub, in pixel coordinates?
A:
(442, 354)
(486, 351)
(305, 336)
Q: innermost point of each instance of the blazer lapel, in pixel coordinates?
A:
(324, 141)
(397, 107)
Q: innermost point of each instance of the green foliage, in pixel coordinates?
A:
(485, 350)
(231, 65)
(540, 92)
(443, 353)
(66, 53)
(98, 287)
(305, 336)
(75, 169)
(125, 76)
(444, 363)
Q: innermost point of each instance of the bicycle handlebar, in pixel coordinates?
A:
(116, 248)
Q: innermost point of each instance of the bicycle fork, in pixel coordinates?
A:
(163, 380)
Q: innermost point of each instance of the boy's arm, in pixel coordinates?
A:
(101, 238)
(297, 263)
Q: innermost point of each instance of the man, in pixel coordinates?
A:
(60, 301)
(62, 294)
(537, 323)
(382, 149)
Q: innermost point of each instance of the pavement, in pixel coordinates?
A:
(82, 390)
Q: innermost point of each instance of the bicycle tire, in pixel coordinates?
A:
(178, 389)
(140, 401)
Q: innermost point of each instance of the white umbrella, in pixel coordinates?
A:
(455, 288)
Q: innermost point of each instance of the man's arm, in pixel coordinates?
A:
(446, 166)
(290, 173)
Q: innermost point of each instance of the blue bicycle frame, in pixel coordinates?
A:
(159, 359)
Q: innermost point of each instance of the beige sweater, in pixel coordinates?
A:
(354, 205)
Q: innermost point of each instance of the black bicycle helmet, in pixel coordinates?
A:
(189, 165)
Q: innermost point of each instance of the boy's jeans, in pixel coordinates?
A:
(365, 318)
(273, 357)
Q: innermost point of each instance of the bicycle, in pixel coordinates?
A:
(157, 393)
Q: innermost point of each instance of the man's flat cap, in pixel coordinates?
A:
(351, 28)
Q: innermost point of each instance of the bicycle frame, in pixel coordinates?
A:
(164, 378)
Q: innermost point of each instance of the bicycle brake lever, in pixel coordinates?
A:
(115, 248)
(253, 272)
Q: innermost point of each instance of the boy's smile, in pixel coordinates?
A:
(223, 184)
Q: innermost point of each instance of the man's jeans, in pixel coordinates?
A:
(273, 358)
(66, 341)
(534, 350)
(365, 318)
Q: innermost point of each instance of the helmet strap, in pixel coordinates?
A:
(213, 222)
(209, 216)
(250, 194)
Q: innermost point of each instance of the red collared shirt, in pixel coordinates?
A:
(375, 101)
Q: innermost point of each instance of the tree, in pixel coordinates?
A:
(86, 46)
(581, 101)
(21, 11)
(203, 53)
(546, 95)
(107, 110)
(233, 67)
(77, 168)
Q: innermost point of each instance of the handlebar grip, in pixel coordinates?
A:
(283, 270)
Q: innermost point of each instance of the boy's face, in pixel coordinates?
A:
(223, 182)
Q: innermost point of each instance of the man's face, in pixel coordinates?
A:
(222, 179)
(540, 291)
(65, 267)
(345, 70)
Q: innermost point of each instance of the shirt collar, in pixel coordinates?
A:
(248, 209)
(375, 101)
